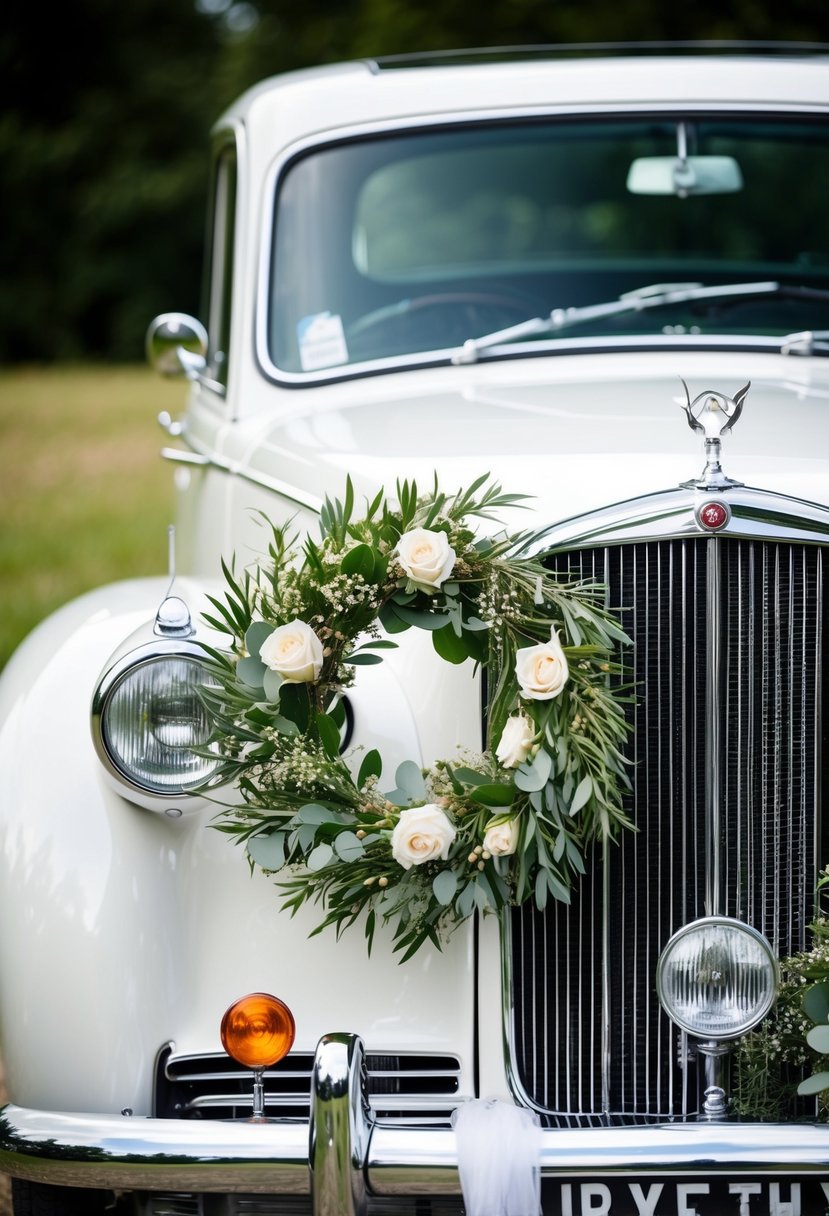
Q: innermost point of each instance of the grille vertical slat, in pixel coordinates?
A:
(591, 1043)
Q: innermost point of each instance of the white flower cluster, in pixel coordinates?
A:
(345, 592)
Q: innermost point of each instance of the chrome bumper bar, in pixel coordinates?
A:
(340, 1155)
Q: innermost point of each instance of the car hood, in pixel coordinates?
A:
(572, 435)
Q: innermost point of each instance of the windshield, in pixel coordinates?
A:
(406, 245)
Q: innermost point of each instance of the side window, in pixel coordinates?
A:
(219, 276)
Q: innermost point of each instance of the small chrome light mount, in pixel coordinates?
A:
(173, 618)
(716, 979)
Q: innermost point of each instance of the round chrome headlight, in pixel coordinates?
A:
(717, 977)
(149, 720)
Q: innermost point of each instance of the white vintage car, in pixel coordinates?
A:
(481, 263)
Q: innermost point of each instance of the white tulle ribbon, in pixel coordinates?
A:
(498, 1158)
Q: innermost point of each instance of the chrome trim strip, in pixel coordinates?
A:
(115, 1152)
(713, 709)
(672, 515)
(200, 455)
(179, 456)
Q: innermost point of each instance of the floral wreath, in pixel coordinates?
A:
(476, 834)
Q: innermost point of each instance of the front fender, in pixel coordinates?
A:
(125, 929)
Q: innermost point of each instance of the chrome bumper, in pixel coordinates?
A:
(340, 1155)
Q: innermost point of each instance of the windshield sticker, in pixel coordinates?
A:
(321, 341)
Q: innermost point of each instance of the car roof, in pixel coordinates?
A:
(500, 80)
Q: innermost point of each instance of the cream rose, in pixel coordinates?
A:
(422, 833)
(294, 652)
(501, 837)
(542, 670)
(516, 741)
(426, 557)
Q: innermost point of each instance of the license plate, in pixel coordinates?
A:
(702, 1194)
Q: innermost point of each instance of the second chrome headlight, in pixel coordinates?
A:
(717, 977)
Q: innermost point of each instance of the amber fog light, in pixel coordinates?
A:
(258, 1030)
(716, 978)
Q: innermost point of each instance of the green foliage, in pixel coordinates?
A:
(499, 828)
(785, 1056)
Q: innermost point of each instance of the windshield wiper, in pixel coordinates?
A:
(807, 342)
(656, 295)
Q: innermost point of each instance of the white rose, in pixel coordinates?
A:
(501, 837)
(542, 670)
(422, 833)
(294, 652)
(426, 556)
(516, 741)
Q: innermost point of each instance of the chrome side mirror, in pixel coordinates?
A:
(177, 345)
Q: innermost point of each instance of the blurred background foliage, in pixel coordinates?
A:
(106, 110)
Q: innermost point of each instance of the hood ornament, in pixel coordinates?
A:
(712, 414)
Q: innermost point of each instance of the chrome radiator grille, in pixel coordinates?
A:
(590, 1043)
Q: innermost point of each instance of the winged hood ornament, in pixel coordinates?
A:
(712, 413)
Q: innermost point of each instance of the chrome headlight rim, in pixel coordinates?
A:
(126, 781)
(761, 1009)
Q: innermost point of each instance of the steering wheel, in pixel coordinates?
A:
(444, 318)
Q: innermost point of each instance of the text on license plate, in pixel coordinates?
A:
(708, 1196)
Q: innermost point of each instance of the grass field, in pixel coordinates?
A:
(85, 496)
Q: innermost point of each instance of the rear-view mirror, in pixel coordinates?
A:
(684, 177)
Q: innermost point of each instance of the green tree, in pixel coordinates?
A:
(105, 116)
(103, 134)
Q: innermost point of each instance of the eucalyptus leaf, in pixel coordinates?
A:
(533, 774)
(410, 779)
(816, 1002)
(312, 812)
(465, 903)
(421, 620)
(305, 835)
(348, 847)
(481, 896)
(320, 857)
(268, 851)
(818, 1038)
(444, 886)
(814, 1084)
(251, 671)
(475, 625)
(272, 684)
(256, 636)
